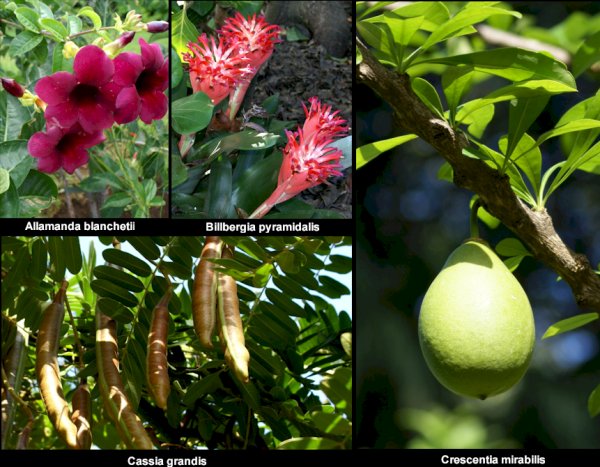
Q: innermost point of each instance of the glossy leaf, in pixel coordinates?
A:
(257, 183)
(527, 159)
(57, 258)
(434, 13)
(192, 113)
(144, 245)
(219, 189)
(569, 324)
(24, 42)
(512, 64)
(310, 442)
(72, 252)
(574, 145)
(16, 160)
(127, 260)
(456, 82)
(182, 31)
(37, 192)
(521, 114)
(28, 18)
(511, 247)
(594, 402)
(513, 262)
(370, 151)
(55, 28)
(587, 54)
(379, 37)
(120, 277)
(107, 289)
(89, 13)
(115, 310)
(176, 69)
(427, 93)
(338, 388)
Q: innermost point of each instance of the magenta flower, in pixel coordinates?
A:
(215, 69)
(253, 37)
(308, 160)
(60, 147)
(142, 81)
(86, 96)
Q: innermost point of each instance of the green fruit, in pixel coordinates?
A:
(476, 326)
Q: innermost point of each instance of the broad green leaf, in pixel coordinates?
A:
(574, 145)
(569, 324)
(144, 245)
(192, 113)
(75, 24)
(176, 68)
(513, 262)
(120, 277)
(511, 247)
(16, 160)
(118, 200)
(434, 13)
(57, 57)
(372, 8)
(512, 64)
(128, 261)
(478, 120)
(456, 82)
(483, 215)
(427, 93)
(24, 42)
(465, 17)
(57, 258)
(72, 252)
(521, 114)
(28, 18)
(37, 192)
(590, 161)
(4, 180)
(513, 91)
(108, 289)
(379, 37)
(570, 127)
(39, 260)
(331, 423)
(55, 28)
(183, 31)
(338, 388)
(527, 159)
(206, 385)
(257, 183)
(219, 190)
(310, 442)
(594, 402)
(587, 54)
(370, 151)
(94, 17)
(402, 29)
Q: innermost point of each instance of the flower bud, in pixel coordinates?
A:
(12, 87)
(157, 26)
(115, 46)
(133, 22)
(70, 49)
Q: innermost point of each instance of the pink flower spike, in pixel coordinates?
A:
(253, 36)
(215, 69)
(84, 97)
(59, 147)
(308, 160)
(142, 81)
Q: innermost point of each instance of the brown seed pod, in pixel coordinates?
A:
(128, 424)
(230, 323)
(204, 292)
(82, 414)
(156, 359)
(48, 373)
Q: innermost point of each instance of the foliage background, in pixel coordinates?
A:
(408, 224)
(301, 378)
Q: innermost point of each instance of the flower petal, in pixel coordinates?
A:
(128, 105)
(50, 163)
(74, 158)
(92, 66)
(64, 113)
(95, 116)
(41, 144)
(152, 56)
(55, 88)
(154, 106)
(128, 67)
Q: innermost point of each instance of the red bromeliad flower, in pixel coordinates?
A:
(215, 69)
(60, 147)
(142, 80)
(308, 160)
(253, 37)
(86, 96)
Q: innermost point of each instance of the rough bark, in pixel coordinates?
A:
(534, 228)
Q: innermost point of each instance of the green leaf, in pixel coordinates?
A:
(379, 37)
(144, 245)
(513, 262)
(4, 180)
(511, 247)
(338, 388)
(207, 385)
(483, 215)
(570, 127)
(219, 190)
(57, 58)
(576, 144)
(36, 193)
(257, 183)
(478, 120)
(28, 18)
(569, 324)
(456, 82)
(123, 279)
(39, 260)
(465, 17)
(192, 113)
(512, 64)
(94, 17)
(527, 159)
(587, 54)
(57, 259)
(594, 402)
(358, 56)
(176, 68)
(107, 289)
(403, 29)
(16, 160)
(24, 42)
(521, 114)
(427, 93)
(75, 24)
(370, 151)
(331, 423)
(434, 13)
(182, 32)
(128, 261)
(117, 200)
(55, 28)
(72, 252)
(310, 442)
(115, 310)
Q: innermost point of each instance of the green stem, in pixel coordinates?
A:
(473, 221)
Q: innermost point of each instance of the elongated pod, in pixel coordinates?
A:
(82, 414)
(112, 390)
(48, 373)
(204, 292)
(230, 324)
(156, 358)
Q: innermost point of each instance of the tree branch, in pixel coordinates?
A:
(534, 228)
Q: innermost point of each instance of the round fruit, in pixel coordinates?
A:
(476, 326)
